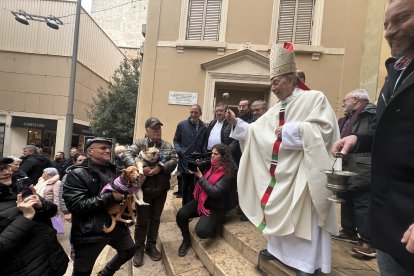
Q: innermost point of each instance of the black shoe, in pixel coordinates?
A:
(153, 253)
(239, 210)
(265, 255)
(180, 195)
(177, 193)
(243, 218)
(301, 273)
(138, 259)
(184, 247)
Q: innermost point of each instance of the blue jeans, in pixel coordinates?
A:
(389, 267)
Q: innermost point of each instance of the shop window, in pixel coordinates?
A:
(44, 139)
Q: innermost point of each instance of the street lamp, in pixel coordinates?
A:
(23, 17)
(54, 22)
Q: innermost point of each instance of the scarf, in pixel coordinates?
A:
(345, 126)
(212, 175)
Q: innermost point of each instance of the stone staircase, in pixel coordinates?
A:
(236, 249)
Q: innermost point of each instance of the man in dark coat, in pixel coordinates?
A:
(82, 196)
(28, 242)
(392, 205)
(189, 139)
(60, 163)
(359, 114)
(155, 188)
(33, 164)
(218, 131)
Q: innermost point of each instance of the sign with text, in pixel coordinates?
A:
(28, 122)
(182, 98)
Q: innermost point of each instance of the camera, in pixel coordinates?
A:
(23, 186)
(200, 160)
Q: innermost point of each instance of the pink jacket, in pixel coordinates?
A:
(51, 192)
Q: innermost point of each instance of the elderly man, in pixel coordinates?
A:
(281, 187)
(259, 108)
(189, 138)
(359, 114)
(155, 188)
(81, 193)
(391, 215)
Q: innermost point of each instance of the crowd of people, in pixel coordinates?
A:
(266, 160)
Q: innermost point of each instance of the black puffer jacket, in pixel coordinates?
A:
(28, 247)
(81, 193)
(158, 183)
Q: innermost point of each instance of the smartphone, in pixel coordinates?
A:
(192, 167)
(23, 186)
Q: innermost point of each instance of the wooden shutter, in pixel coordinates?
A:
(295, 21)
(195, 19)
(204, 20)
(303, 30)
(212, 20)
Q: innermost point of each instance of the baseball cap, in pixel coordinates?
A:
(97, 140)
(152, 121)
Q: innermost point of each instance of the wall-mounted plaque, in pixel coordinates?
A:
(182, 98)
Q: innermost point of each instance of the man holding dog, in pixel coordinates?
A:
(81, 193)
(155, 188)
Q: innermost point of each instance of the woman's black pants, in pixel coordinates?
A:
(206, 226)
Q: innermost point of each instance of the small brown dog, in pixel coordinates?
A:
(129, 184)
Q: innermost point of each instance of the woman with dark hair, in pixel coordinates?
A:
(209, 198)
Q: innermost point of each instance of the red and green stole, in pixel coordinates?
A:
(273, 165)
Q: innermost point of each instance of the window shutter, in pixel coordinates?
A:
(295, 21)
(195, 19)
(303, 34)
(212, 20)
(286, 20)
(204, 20)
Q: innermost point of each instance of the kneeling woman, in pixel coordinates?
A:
(209, 198)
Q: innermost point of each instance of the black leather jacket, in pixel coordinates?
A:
(81, 193)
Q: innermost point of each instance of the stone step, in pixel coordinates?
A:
(244, 237)
(248, 241)
(170, 239)
(217, 255)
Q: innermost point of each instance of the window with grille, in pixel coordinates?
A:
(295, 21)
(204, 20)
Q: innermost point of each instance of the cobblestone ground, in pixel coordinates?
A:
(149, 268)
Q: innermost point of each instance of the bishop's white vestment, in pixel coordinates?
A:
(292, 209)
